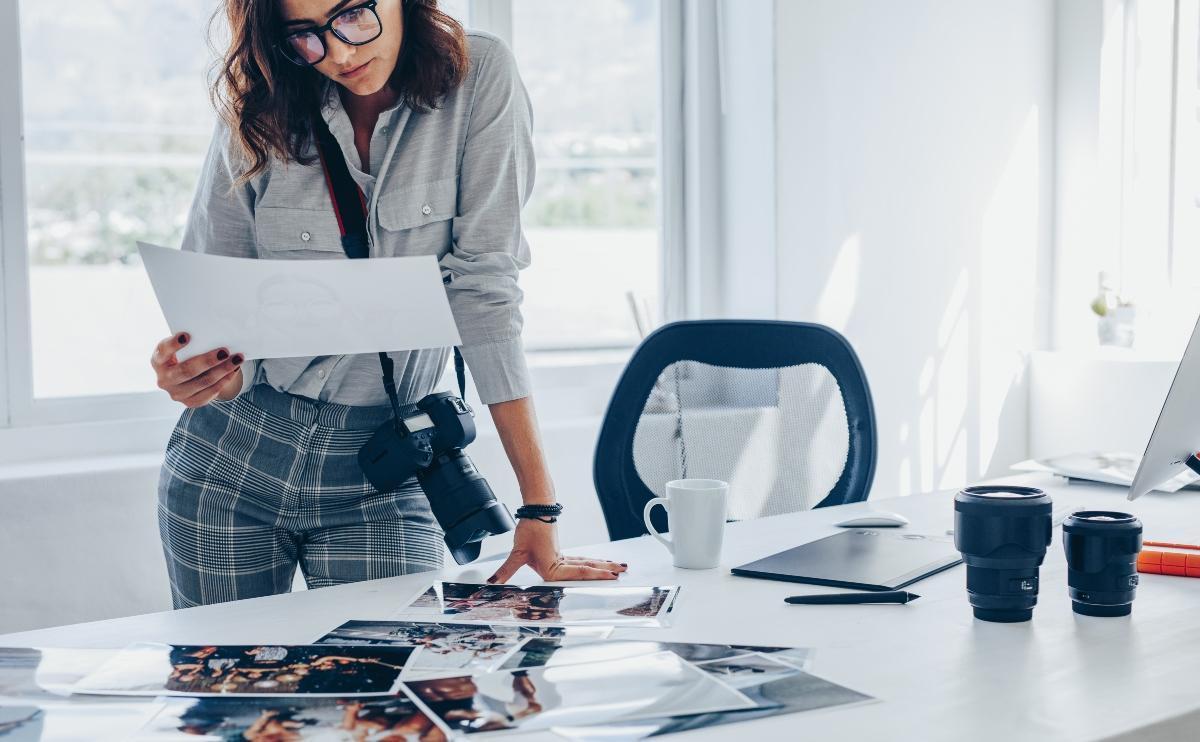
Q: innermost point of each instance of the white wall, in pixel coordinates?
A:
(914, 213)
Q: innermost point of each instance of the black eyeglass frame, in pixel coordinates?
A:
(284, 46)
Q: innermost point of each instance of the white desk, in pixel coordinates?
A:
(939, 674)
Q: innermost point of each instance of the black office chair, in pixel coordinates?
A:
(780, 410)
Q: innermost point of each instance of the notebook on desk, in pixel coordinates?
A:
(862, 558)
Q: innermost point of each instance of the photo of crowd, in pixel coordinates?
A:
(160, 669)
(394, 718)
(454, 649)
(546, 604)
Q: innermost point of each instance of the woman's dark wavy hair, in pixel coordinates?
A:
(267, 102)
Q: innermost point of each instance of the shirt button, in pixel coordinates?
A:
(321, 373)
(426, 209)
(305, 236)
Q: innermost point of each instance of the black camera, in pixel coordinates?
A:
(430, 445)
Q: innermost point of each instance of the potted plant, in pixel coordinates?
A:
(1115, 316)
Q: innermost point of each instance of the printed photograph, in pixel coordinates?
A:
(747, 670)
(553, 651)
(61, 719)
(161, 669)
(21, 722)
(546, 604)
(592, 693)
(454, 649)
(46, 674)
(778, 690)
(390, 719)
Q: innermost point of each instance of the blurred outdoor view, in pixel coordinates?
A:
(117, 120)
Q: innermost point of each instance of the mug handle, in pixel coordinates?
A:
(650, 526)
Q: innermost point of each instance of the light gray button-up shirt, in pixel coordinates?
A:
(449, 182)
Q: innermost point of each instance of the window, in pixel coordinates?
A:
(116, 122)
(592, 221)
(1129, 155)
(1185, 239)
(116, 119)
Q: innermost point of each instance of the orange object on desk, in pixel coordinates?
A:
(1179, 563)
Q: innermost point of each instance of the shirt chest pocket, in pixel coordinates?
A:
(417, 219)
(282, 232)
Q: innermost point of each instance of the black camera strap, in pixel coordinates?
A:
(350, 208)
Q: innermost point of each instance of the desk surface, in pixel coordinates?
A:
(939, 674)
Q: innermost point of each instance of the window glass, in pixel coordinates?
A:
(117, 120)
(591, 70)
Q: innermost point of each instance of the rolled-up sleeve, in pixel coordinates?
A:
(221, 219)
(496, 176)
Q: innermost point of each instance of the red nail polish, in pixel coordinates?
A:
(623, 564)
(237, 359)
(222, 355)
(183, 338)
(614, 574)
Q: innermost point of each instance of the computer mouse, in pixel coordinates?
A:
(873, 519)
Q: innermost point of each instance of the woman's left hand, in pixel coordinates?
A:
(536, 544)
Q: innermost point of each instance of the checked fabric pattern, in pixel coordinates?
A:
(253, 487)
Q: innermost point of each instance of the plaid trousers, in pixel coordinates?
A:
(254, 486)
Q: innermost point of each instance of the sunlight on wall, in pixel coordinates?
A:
(1007, 284)
(943, 386)
(1105, 236)
(952, 388)
(841, 290)
(989, 324)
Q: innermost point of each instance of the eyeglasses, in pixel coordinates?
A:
(355, 26)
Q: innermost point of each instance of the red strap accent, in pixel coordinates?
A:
(333, 198)
(329, 186)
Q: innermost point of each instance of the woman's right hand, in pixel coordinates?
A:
(199, 380)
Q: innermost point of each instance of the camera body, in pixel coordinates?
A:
(429, 444)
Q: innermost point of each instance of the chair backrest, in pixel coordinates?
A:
(780, 410)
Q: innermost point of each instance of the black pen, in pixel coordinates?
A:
(887, 596)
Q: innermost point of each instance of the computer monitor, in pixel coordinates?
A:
(1176, 436)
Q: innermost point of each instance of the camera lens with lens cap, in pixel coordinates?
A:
(1102, 548)
(1003, 533)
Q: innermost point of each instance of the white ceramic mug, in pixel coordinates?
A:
(697, 510)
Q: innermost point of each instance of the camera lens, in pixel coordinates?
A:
(1102, 548)
(463, 503)
(1002, 533)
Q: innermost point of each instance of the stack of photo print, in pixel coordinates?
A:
(459, 661)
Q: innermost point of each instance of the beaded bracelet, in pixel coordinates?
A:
(544, 513)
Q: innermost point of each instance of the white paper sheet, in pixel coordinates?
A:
(286, 308)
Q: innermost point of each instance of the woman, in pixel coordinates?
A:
(261, 471)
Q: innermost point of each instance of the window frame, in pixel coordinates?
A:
(21, 411)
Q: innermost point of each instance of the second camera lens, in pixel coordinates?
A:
(1102, 548)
